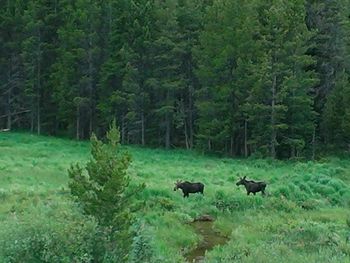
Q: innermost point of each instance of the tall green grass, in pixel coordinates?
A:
(303, 218)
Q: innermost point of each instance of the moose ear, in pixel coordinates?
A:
(244, 177)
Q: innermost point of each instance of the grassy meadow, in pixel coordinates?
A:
(305, 216)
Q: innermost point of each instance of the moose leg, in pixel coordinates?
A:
(263, 192)
(248, 193)
(254, 193)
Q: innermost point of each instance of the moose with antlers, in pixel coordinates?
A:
(252, 186)
(188, 187)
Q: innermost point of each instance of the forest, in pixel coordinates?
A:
(174, 131)
(239, 78)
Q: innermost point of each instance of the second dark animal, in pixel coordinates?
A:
(188, 187)
(252, 186)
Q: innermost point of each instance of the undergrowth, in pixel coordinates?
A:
(303, 218)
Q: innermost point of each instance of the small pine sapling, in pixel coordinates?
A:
(101, 188)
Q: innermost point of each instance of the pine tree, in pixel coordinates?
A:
(101, 188)
(330, 49)
(336, 117)
(76, 68)
(285, 82)
(227, 54)
(32, 53)
(12, 95)
(123, 85)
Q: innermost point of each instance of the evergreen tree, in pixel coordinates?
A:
(330, 49)
(285, 82)
(75, 71)
(123, 85)
(227, 52)
(12, 96)
(337, 113)
(101, 189)
(233, 77)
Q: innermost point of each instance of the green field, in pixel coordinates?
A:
(305, 216)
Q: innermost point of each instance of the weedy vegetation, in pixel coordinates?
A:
(304, 216)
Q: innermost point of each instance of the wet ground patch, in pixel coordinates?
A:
(210, 238)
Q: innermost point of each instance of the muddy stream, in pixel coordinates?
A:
(210, 239)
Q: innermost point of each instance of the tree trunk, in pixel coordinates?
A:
(9, 95)
(313, 143)
(38, 86)
(9, 114)
(186, 135)
(142, 128)
(78, 123)
(273, 119)
(167, 131)
(90, 85)
(123, 130)
(245, 138)
(190, 116)
(32, 122)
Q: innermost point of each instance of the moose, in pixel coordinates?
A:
(252, 186)
(188, 187)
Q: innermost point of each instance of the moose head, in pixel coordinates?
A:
(241, 181)
(177, 185)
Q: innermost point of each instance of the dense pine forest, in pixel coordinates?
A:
(261, 78)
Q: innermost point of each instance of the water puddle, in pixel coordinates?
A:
(211, 238)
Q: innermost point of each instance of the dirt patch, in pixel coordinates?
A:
(210, 238)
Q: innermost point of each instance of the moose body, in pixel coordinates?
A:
(252, 186)
(188, 187)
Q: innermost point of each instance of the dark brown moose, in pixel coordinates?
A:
(252, 186)
(188, 187)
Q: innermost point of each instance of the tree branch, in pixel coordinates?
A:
(15, 113)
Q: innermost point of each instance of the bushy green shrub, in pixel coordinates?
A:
(345, 199)
(281, 204)
(309, 204)
(3, 194)
(58, 240)
(225, 202)
(165, 203)
(102, 189)
(348, 221)
(141, 249)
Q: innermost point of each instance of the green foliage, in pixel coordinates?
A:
(230, 77)
(66, 237)
(235, 203)
(102, 190)
(303, 217)
(141, 248)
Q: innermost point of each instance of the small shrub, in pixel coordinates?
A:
(44, 241)
(345, 199)
(3, 194)
(166, 204)
(348, 221)
(281, 204)
(236, 203)
(141, 249)
(305, 188)
(309, 204)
